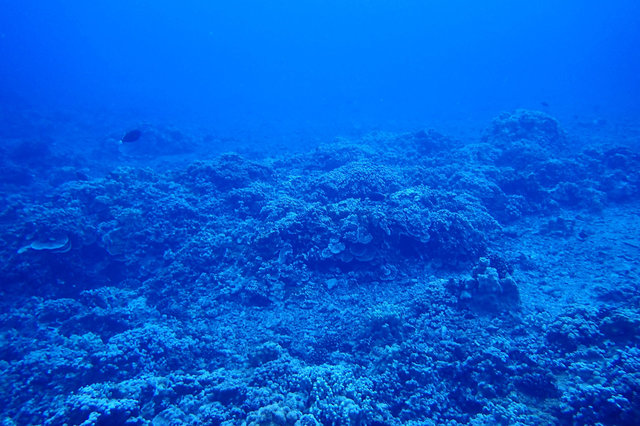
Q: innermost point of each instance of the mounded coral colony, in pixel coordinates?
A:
(400, 279)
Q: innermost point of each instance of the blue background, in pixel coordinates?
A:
(323, 66)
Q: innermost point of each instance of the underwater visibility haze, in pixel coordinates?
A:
(321, 212)
(323, 64)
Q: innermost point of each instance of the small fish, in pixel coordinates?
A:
(545, 104)
(131, 136)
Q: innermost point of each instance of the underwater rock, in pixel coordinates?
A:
(621, 325)
(229, 171)
(61, 244)
(485, 290)
(430, 141)
(361, 179)
(532, 126)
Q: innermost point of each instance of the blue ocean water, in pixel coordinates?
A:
(357, 212)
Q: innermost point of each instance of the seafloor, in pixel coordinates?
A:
(395, 279)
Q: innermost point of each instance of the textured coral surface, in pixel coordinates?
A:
(385, 280)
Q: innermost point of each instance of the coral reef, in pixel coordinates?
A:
(397, 279)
